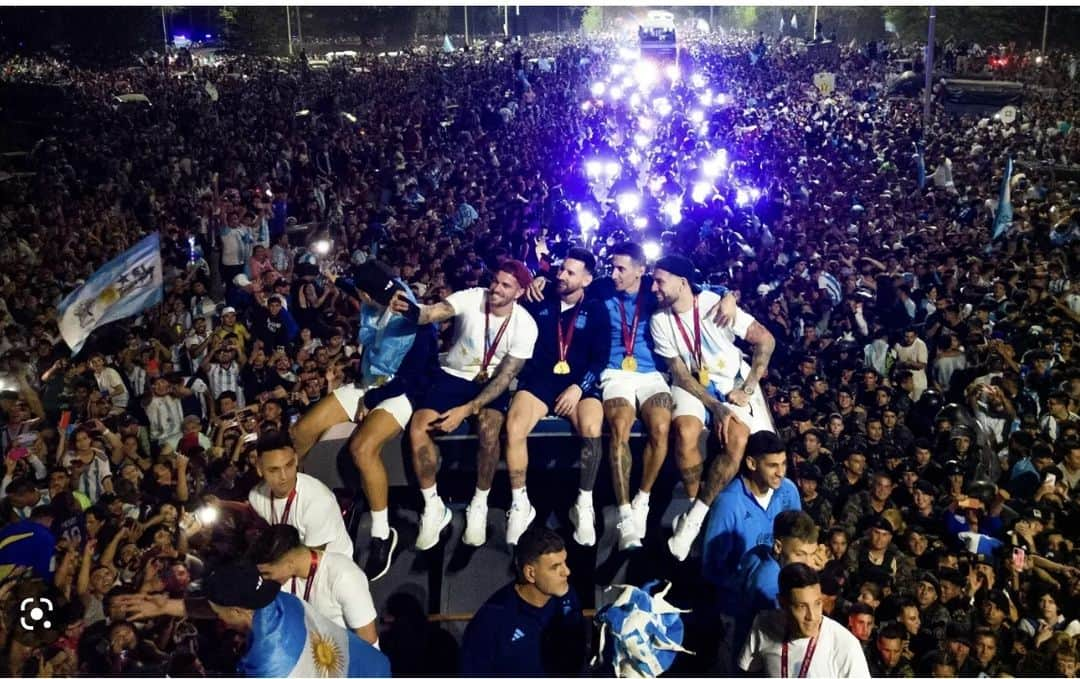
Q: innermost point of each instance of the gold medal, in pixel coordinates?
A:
(481, 377)
(703, 376)
(562, 368)
(629, 363)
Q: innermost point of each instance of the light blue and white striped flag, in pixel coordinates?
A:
(1004, 215)
(921, 164)
(831, 286)
(123, 287)
(289, 638)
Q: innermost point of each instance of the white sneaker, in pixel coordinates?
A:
(641, 517)
(584, 519)
(436, 516)
(475, 524)
(628, 537)
(517, 520)
(686, 531)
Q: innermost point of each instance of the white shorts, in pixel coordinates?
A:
(349, 397)
(755, 414)
(637, 388)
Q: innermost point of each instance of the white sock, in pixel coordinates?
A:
(642, 499)
(380, 523)
(698, 511)
(431, 495)
(520, 496)
(626, 512)
(481, 496)
(584, 498)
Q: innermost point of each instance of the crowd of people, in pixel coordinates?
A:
(550, 227)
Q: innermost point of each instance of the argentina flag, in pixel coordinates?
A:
(1004, 210)
(290, 639)
(123, 287)
(921, 165)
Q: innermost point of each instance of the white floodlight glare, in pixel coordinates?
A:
(645, 123)
(635, 100)
(627, 54)
(672, 72)
(697, 115)
(755, 194)
(697, 80)
(611, 168)
(651, 249)
(593, 168)
(656, 184)
(641, 140)
(701, 191)
(646, 74)
(587, 220)
(706, 99)
(662, 106)
(618, 69)
(710, 167)
(207, 515)
(720, 99)
(641, 222)
(634, 157)
(742, 197)
(703, 25)
(615, 93)
(598, 88)
(673, 211)
(586, 106)
(321, 246)
(628, 203)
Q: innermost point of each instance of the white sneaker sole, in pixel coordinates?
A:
(532, 517)
(483, 535)
(575, 518)
(447, 516)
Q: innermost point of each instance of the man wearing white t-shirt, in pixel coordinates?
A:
(302, 501)
(331, 583)
(493, 337)
(711, 381)
(797, 640)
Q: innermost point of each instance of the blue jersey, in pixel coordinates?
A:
(620, 306)
(737, 523)
(759, 587)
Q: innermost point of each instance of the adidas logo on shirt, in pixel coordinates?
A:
(518, 634)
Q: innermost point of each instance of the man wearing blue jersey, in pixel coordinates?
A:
(562, 377)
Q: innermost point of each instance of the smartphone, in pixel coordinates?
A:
(251, 438)
(1050, 480)
(65, 419)
(294, 419)
(1019, 557)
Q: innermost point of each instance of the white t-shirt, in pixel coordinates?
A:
(467, 350)
(107, 380)
(838, 653)
(314, 513)
(723, 359)
(339, 591)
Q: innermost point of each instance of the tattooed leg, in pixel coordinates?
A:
(656, 414)
(726, 465)
(688, 452)
(487, 452)
(620, 416)
(424, 451)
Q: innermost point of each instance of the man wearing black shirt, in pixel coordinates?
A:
(533, 626)
(571, 351)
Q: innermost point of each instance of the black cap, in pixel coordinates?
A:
(801, 415)
(810, 472)
(926, 487)
(881, 523)
(927, 576)
(954, 631)
(1033, 514)
(376, 280)
(240, 584)
(677, 265)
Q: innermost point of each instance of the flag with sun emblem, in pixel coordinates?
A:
(123, 287)
(289, 638)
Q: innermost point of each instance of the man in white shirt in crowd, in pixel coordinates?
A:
(287, 496)
(798, 640)
(710, 383)
(913, 355)
(110, 382)
(493, 337)
(332, 583)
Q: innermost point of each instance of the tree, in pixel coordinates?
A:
(592, 21)
(260, 30)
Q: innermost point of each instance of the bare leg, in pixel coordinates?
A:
(688, 452)
(588, 420)
(366, 447)
(726, 465)
(488, 451)
(424, 451)
(656, 413)
(525, 411)
(620, 417)
(306, 432)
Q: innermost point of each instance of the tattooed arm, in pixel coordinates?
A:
(681, 377)
(508, 370)
(429, 313)
(764, 344)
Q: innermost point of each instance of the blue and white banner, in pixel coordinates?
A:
(290, 639)
(920, 162)
(125, 286)
(1004, 216)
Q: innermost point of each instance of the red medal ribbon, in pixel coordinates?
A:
(288, 508)
(695, 346)
(628, 338)
(310, 575)
(564, 342)
(489, 350)
(807, 657)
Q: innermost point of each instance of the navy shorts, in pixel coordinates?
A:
(447, 392)
(547, 388)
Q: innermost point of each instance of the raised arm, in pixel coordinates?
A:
(429, 313)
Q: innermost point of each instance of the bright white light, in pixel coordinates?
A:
(641, 222)
(720, 99)
(628, 202)
(586, 106)
(706, 99)
(645, 124)
(652, 249)
(673, 211)
(656, 184)
(321, 247)
(645, 74)
(615, 93)
(1038, 60)
(703, 25)
(593, 168)
(207, 515)
(618, 69)
(697, 115)
(634, 157)
(641, 140)
(704, 129)
(662, 106)
(612, 169)
(755, 194)
(635, 100)
(587, 220)
(710, 168)
(701, 191)
(627, 54)
(742, 197)
(627, 82)
(598, 89)
(672, 72)
(697, 80)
